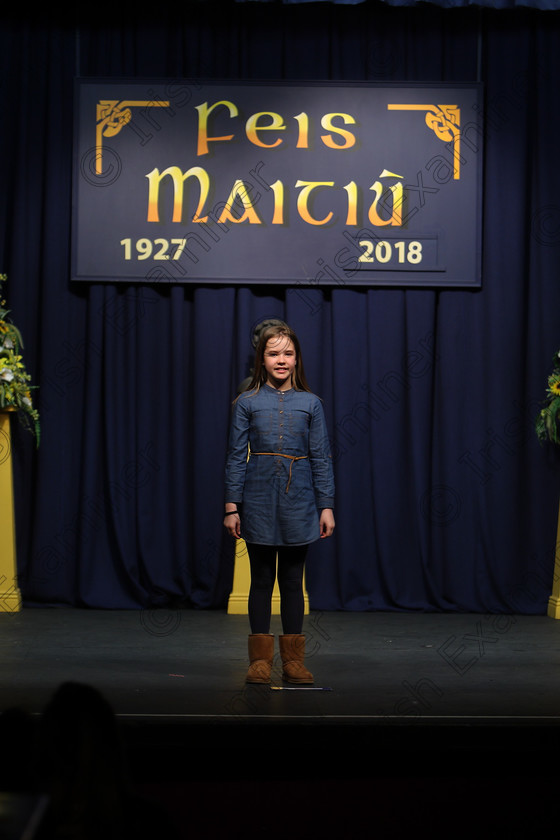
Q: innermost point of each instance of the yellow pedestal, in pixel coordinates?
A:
(10, 597)
(238, 600)
(554, 600)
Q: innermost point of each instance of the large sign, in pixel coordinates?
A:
(315, 184)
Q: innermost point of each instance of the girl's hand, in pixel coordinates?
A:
(326, 523)
(232, 524)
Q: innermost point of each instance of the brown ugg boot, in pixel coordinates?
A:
(261, 653)
(292, 652)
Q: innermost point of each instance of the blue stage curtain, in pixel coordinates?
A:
(445, 500)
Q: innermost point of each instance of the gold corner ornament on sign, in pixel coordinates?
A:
(444, 121)
(112, 116)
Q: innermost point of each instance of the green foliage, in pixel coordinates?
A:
(15, 387)
(546, 425)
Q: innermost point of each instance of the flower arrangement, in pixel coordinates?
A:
(15, 390)
(546, 424)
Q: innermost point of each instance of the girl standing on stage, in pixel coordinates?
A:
(279, 495)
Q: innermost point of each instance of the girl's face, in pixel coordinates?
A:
(279, 361)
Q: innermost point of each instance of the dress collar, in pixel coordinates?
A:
(278, 390)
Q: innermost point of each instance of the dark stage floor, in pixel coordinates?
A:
(386, 669)
(429, 709)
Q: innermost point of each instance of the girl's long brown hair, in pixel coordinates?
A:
(299, 381)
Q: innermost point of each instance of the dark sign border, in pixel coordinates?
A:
(345, 253)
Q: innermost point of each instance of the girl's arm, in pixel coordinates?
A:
(326, 523)
(236, 466)
(232, 520)
(322, 470)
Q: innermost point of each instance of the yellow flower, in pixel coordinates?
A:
(555, 387)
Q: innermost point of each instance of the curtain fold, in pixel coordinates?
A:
(445, 500)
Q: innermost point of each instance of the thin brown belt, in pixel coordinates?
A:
(292, 458)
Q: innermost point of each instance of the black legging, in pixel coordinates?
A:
(291, 561)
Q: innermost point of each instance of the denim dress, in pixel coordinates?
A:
(279, 466)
